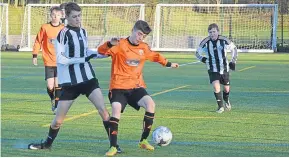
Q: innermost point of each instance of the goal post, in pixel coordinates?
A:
(4, 27)
(101, 21)
(181, 27)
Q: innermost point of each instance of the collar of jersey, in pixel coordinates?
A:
(73, 28)
(130, 42)
(54, 25)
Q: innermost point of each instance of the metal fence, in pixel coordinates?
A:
(16, 11)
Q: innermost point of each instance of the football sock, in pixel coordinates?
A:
(50, 92)
(113, 131)
(51, 136)
(226, 96)
(57, 95)
(219, 99)
(106, 126)
(147, 122)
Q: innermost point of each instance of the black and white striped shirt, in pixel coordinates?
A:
(71, 48)
(216, 53)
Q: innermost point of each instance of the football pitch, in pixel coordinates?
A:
(256, 126)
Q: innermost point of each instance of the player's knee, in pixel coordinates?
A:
(149, 105)
(226, 89)
(217, 89)
(50, 83)
(116, 106)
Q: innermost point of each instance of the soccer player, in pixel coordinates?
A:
(44, 40)
(127, 85)
(215, 46)
(75, 73)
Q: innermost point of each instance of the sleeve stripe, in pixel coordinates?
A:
(225, 39)
(204, 41)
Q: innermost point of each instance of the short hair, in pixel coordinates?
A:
(55, 8)
(213, 25)
(71, 6)
(142, 26)
(62, 5)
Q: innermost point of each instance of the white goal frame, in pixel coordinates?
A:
(4, 14)
(27, 15)
(157, 24)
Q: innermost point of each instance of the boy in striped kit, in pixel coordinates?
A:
(75, 73)
(215, 46)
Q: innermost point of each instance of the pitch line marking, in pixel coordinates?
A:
(247, 68)
(169, 90)
(95, 111)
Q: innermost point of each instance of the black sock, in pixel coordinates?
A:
(106, 126)
(219, 99)
(148, 122)
(51, 136)
(50, 92)
(113, 131)
(226, 96)
(57, 95)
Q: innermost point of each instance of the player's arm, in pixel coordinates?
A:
(230, 45)
(95, 54)
(157, 57)
(234, 53)
(60, 45)
(200, 50)
(199, 56)
(105, 49)
(37, 45)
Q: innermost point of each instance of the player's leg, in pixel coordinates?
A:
(215, 81)
(141, 97)
(118, 102)
(57, 88)
(94, 94)
(64, 104)
(226, 91)
(49, 77)
(97, 99)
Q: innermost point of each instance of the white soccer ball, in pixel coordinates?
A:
(162, 136)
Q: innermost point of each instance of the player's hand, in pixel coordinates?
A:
(34, 61)
(114, 41)
(90, 57)
(204, 59)
(232, 66)
(174, 65)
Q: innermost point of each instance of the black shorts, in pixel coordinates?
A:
(125, 97)
(50, 72)
(72, 92)
(223, 78)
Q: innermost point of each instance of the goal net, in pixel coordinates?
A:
(3, 24)
(101, 21)
(181, 27)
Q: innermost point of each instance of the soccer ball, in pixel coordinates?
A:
(162, 136)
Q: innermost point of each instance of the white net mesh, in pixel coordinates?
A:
(101, 21)
(183, 27)
(3, 24)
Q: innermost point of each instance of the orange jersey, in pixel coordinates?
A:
(127, 63)
(44, 40)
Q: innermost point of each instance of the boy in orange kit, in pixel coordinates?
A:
(126, 84)
(44, 40)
